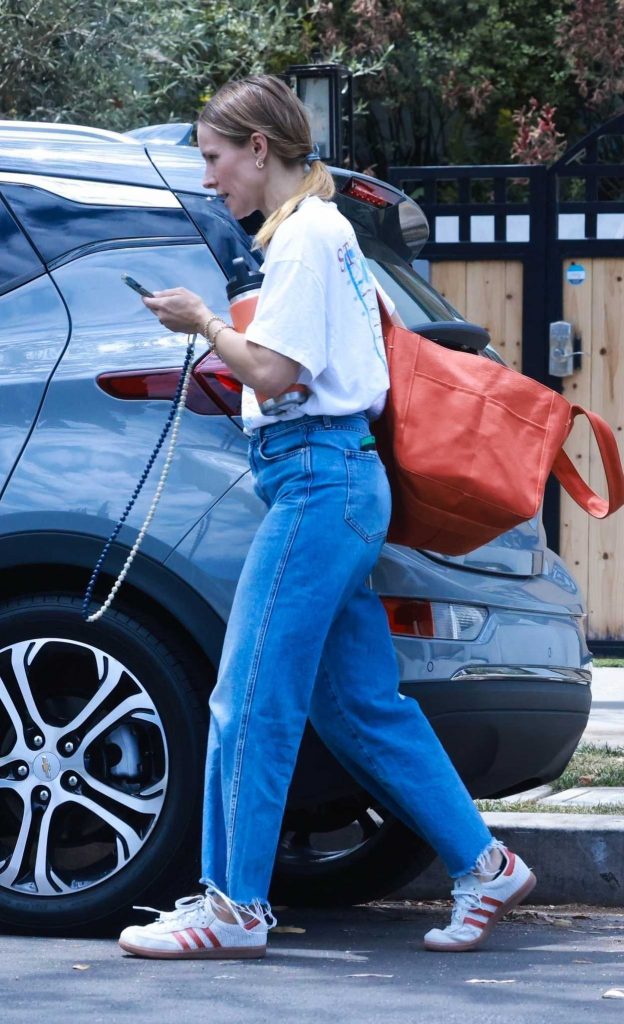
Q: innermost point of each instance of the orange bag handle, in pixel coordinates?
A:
(570, 478)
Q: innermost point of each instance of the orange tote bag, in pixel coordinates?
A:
(469, 444)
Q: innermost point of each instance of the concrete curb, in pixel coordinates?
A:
(578, 858)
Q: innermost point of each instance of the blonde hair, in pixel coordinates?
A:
(264, 103)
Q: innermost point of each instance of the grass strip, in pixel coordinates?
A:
(592, 765)
(529, 807)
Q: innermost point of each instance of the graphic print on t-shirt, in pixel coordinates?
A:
(318, 306)
(358, 275)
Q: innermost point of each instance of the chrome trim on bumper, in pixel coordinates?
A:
(549, 672)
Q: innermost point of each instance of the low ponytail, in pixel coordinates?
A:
(317, 182)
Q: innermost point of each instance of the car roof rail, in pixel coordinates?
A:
(173, 134)
(60, 131)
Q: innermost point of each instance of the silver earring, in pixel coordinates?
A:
(259, 164)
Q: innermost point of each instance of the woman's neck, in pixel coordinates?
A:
(282, 183)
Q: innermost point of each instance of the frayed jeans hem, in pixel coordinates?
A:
(477, 866)
(243, 904)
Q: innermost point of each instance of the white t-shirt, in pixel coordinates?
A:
(318, 306)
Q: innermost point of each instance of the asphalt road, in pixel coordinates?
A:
(354, 966)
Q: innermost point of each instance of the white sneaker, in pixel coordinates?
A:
(193, 931)
(480, 905)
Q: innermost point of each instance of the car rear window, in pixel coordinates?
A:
(416, 301)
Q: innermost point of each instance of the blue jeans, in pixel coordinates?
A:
(307, 638)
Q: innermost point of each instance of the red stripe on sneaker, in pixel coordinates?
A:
(492, 902)
(511, 863)
(479, 910)
(211, 936)
(182, 940)
(250, 925)
(196, 938)
(472, 920)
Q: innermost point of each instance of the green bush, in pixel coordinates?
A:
(475, 81)
(129, 63)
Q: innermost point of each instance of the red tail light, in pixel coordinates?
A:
(213, 391)
(370, 192)
(409, 618)
(219, 384)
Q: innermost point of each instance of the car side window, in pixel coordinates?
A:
(224, 235)
(64, 218)
(19, 262)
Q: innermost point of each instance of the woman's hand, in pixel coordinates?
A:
(259, 367)
(178, 309)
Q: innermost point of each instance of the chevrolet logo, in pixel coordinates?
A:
(45, 764)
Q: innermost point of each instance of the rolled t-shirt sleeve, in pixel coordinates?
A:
(290, 317)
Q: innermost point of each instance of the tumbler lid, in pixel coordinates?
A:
(243, 279)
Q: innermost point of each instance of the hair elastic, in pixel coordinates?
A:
(314, 155)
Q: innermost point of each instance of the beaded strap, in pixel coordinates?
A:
(175, 415)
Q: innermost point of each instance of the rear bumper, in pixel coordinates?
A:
(506, 734)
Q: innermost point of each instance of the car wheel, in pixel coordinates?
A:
(349, 851)
(101, 763)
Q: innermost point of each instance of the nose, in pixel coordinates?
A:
(209, 179)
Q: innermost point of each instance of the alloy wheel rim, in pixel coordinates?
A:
(83, 767)
(315, 851)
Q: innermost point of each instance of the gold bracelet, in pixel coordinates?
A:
(208, 322)
(217, 333)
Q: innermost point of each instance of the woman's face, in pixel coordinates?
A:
(231, 170)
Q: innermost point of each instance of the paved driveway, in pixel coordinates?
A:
(354, 966)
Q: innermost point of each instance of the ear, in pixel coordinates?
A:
(259, 145)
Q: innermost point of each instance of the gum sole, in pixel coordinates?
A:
(465, 947)
(218, 953)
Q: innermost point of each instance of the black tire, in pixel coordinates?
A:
(153, 757)
(350, 851)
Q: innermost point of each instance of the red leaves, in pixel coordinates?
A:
(537, 140)
(365, 26)
(473, 97)
(591, 36)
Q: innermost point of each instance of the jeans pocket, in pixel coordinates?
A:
(368, 504)
(275, 447)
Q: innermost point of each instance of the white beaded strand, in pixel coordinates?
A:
(157, 494)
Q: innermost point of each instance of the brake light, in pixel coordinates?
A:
(370, 192)
(434, 619)
(219, 383)
(212, 391)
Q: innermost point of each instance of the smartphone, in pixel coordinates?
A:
(136, 286)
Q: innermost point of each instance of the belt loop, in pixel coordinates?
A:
(327, 421)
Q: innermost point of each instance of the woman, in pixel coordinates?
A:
(306, 636)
